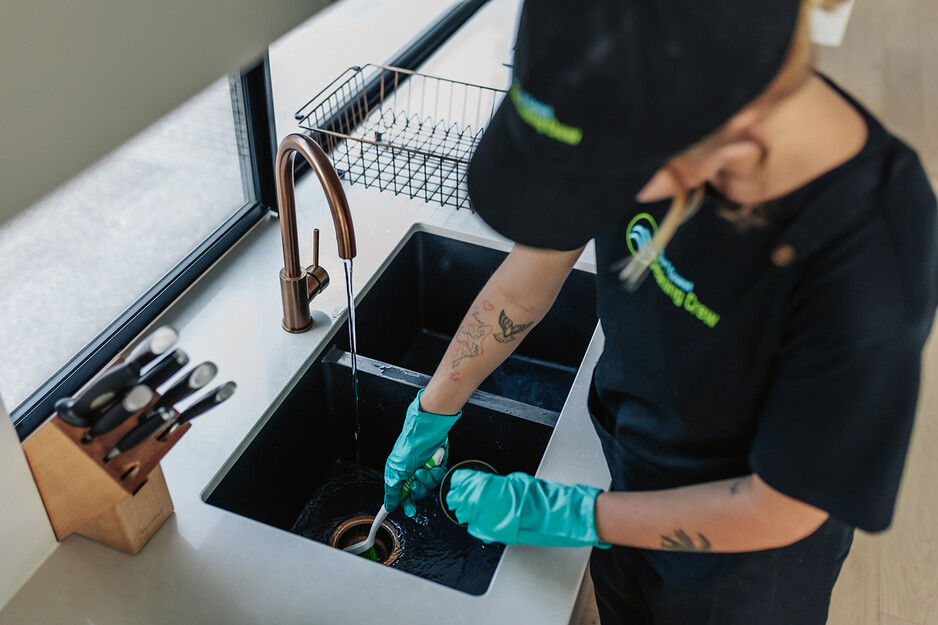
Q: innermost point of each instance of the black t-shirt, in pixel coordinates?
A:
(726, 362)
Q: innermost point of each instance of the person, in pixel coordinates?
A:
(764, 302)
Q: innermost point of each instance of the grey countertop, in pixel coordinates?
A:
(206, 565)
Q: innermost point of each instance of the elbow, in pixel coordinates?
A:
(803, 527)
(786, 519)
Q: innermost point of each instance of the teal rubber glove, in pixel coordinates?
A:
(423, 433)
(521, 509)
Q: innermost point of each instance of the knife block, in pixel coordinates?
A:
(120, 503)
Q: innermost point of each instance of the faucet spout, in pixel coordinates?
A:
(298, 285)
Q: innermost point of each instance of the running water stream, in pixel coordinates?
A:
(353, 347)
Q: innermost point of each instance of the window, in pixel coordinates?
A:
(83, 255)
(92, 264)
(86, 269)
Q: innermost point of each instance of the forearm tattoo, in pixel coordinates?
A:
(510, 329)
(680, 541)
(468, 340)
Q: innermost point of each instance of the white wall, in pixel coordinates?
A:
(828, 27)
(80, 78)
(26, 538)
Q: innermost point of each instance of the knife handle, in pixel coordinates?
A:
(193, 381)
(136, 400)
(207, 402)
(154, 345)
(166, 368)
(150, 426)
(82, 411)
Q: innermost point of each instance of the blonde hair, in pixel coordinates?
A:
(795, 70)
(828, 5)
(799, 59)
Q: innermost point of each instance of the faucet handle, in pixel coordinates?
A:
(315, 247)
(316, 277)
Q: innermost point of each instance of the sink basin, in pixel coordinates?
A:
(412, 312)
(300, 469)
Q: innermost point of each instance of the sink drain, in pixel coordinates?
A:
(354, 530)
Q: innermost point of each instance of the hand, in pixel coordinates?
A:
(520, 509)
(423, 433)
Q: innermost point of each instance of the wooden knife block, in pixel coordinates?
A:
(120, 503)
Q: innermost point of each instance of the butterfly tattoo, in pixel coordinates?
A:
(509, 329)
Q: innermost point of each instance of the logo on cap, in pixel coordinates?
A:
(541, 116)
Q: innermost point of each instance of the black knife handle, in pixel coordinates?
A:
(136, 400)
(82, 411)
(207, 402)
(159, 342)
(193, 381)
(150, 426)
(166, 368)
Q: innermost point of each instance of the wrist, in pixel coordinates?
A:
(598, 517)
(431, 403)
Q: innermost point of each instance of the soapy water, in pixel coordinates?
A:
(432, 546)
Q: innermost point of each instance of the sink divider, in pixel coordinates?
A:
(418, 381)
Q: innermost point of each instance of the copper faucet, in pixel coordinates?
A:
(298, 286)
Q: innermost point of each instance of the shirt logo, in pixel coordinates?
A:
(676, 287)
(541, 116)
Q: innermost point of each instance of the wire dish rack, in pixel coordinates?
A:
(401, 131)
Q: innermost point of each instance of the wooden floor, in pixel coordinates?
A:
(889, 61)
(589, 616)
(892, 578)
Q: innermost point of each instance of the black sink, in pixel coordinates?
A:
(302, 472)
(410, 315)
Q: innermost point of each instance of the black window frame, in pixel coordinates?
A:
(252, 91)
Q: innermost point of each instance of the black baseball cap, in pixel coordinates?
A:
(604, 93)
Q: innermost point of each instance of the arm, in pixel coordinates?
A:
(740, 514)
(513, 301)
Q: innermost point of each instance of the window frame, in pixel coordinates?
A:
(252, 92)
